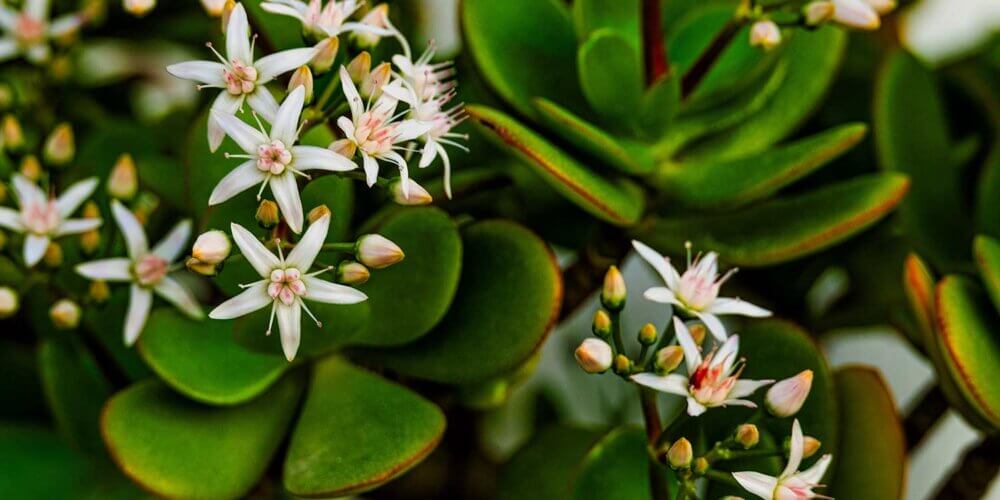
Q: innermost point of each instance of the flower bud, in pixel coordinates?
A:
(856, 14)
(883, 7)
(212, 247)
(203, 268)
(613, 292)
(9, 302)
(53, 256)
(214, 7)
(680, 454)
(65, 314)
(123, 182)
(810, 446)
(227, 11)
(13, 136)
(819, 12)
(343, 147)
(414, 194)
(99, 291)
(359, 67)
(698, 333)
(594, 356)
(376, 18)
(602, 324)
(31, 168)
(785, 398)
(318, 213)
(60, 146)
(747, 435)
(700, 465)
(138, 8)
(371, 85)
(350, 272)
(302, 77)
(326, 53)
(377, 251)
(623, 365)
(7, 96)
(268, 214)
(647, 334)
(765, 34)
(669, 358)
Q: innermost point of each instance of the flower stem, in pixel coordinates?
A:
(721, 477)
(654, 427)
(616, 332)
(654, 49)
(701, 67)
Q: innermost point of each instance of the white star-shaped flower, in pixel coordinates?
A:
(147, 270)
(240, 77)
(274, 159)
(28, 31)
(286, 282)
(42, 218)
(696, 292)
(320, 20)
(791, 484)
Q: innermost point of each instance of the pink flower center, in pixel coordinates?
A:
(28, 30)
(330, 17)
(273, 158)
(710, 385)
(41, 217)
(240, 78)
(150, 269)
(373, 134)
(286, 285)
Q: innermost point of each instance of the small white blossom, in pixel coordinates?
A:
(42, 218)
(27, 32)
(790, 484)
(239, 75)
(696, 292)
(148, 270)
(323, 21)
(856, 14)
(286, 284)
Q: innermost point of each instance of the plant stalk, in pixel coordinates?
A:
(699, 70)
(654, 49)
(654, 427)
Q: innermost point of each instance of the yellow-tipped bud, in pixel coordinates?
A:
(268, 215)
(747, 435)
(214, 8)
(53, 256)
(359, 67)
(212, 247)
(623, 365)
(594, 356)
(60, 146)
(680, 454)
(13, 135)
(90, 241)
(138, 8)
(376, 18)
(31, 168)
(227, 11)
(351, 272)
(669, 358)
(785, 398)
(65, 314)
(810, 446)
(698, 333)
(602, 324)
(371, 85)
(91, 210)
(613, 292)
(377, 251)
(765, 34)
(647, 334)
(700, 465)
(326, 54)
(413, 195)
(123, 182)
(99, 291)
(318, 213)
(10, 302)
(302, 77)
(816, 13)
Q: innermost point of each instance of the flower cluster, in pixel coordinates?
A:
(765, 30)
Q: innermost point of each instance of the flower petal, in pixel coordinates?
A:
(140, 302)
(332, 293)
(726, 355)
(11, 219)
(135, 237)
(694, 407)
(73, 197)
(8, 48)
(34, 248)
(347, 126)
(305, 252)
(252, 299)
(713, 324)
(290, 326)
(171, 246)
(286, 193)
(224, 103)
(116, 269)
(175, 293)
(723, 305)
(238, 36)
(744, 388)
(371, 168)
(692, 355)
(205, 72)
(316, 158)
(670, 384)
(814, 474)
(246, 137)
(77, 226)
(286, 123)
(404, 173)
(65, 25)
(263, 102)
(27, 191)
(660, 263)
(236, 181)
(759, 484)
(739, 402)
(271, 66)
(409, 130)
(285, 10)
(446, 161)
(662, 295)
(795, 451)
(38, 9)
(351, 94)
(262, 260)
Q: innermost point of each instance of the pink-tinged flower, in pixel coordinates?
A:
(42, 218)
(27, 32)
(285, 284)
(785, 398)
(147, 269)
(272, 158)
(323, 21)
(711, 381)
(239, 75)
(791, 484)
(856, 14)
(696, 292)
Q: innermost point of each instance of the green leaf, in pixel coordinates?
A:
(617, 202)
(626, 155)
(357, 431)
(616, 468)
(201, 360)
(104, 321)
(867, 467)
(75, 390)
(660, 106)
(620, 16)
(987, 254)
(175, 447)
(21, 393)
(912, 137)
(508, 299)
(967, 325)
(733, 183)
(784, 229)
(611, 77)
(334, 192)
(524, 49)
(412, 296)
(547, 465)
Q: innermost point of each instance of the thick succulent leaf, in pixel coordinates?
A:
(988, 199)
(546, 466)
(867, 467)
(507, 300)
(75, 390)
(525, 49)
(987, 254)
(737, 182)
(912, 137)
(620, 16)
(967, 324)
(660, 106)
(356, 432)
(201, 360)
(412, 296)
(784, 229)
(619, 202)
(616, 468)
(175, 447)
(622, 153)
(611, 77)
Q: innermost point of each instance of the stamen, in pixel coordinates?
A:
(217, 54)
(281, 256)
(305, 308)
(241, 156)
(687, 246)
(262, 186)
(259, 124)
(300, 173)
(253, 43)
(321, 271)
(270, 322)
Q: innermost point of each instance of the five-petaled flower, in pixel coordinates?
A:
(790, 484)
(285, 284)
(28, 31)
(148, 270)
(274, 159)
(710, 382)
(696, 292)
(42, 218)
(240, 77)
(322, 21)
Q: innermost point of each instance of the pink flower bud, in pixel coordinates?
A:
(211, 247)
(594, 356)
(414, 194)
(377, 251)
(786, 397)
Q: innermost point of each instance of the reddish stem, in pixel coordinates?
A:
(707, 59)
(655, 51)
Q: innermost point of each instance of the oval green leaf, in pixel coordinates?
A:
(611, 77)
(75, 390)
(616, 468)
(546, 466)
(620, 16)
(356, 432)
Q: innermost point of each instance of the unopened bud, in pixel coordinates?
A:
(747, 435)
(227, 11)
(856, 14)
(785, 398)
(414, 194)
(326, 53)
(351, 272)
(883, 7)
(53, 256)
(268, 215)
(214, 7)
(371, 85)
(138, 8)
(376, 18)
(31, 168)
(65, 314)
(60, 146)
(6, 96)
(819, 12)
(302, 77)
(680, 454)
(212, 247)
(647, 334)
(10, 302)
(318, 213)
(203, 268)
(594, 356)
(359, 67)
(99, 291)
(623, 365)
(377, 251)
(765, 34)
(669, 358)
(13, 135)
(91, 210)
(602, 324)
(343, 147)
(123, 182)
(698, 332)
(90, 241)
(613, 292)
(810, 446)
(700, 465)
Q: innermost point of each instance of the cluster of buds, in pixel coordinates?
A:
(765, 32)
